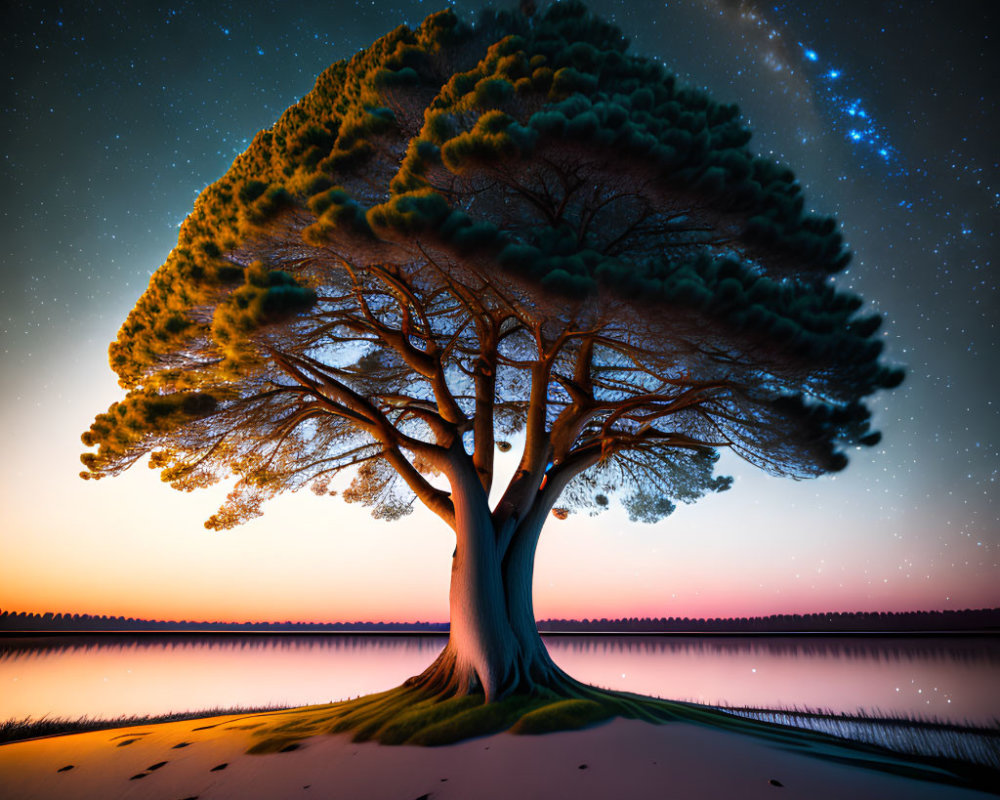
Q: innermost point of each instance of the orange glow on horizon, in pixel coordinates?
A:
(95, 547)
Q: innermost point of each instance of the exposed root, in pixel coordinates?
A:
(433, 708)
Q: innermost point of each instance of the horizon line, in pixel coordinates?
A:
(830, 615)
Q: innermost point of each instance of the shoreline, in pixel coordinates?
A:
(807, 633)
(797, 718)
(620, 758)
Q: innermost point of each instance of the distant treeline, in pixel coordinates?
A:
(984, 619)
(19, 621)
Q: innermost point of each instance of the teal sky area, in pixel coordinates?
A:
(115, 120)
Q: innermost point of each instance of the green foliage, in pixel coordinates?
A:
(496, 136)
(265, 205)
(413, 212)
(595, 93)
(543, 155)
(266, 297)
(335, 210)
(142, 414)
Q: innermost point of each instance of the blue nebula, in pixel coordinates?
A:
(858, 125)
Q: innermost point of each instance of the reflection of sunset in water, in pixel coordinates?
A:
(165, 674)
(949, 678)
(934, 678)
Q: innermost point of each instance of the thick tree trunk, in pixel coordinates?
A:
(537, 667)
(484, 646)
(494, 646)
(482, 651)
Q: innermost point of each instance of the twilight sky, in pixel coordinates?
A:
(115, 116)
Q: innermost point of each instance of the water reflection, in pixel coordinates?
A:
(73, 676)
(947, 678)
(970, 649)
(951, 678)
(28, 646)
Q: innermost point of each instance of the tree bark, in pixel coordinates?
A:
(494, 646)
(538, 669)
(481, 654)
(518, 577)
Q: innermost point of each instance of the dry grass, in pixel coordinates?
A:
(17, 730)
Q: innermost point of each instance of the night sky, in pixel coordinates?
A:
(115, 116)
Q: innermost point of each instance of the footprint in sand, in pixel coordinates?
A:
(130, 737)
(220, 766)
(148, 770)
(179, 746)
(67, 768)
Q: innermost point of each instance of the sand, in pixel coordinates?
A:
(619, 759)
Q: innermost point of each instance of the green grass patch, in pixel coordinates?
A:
(479, 720)
(407, 724)
(563, 715)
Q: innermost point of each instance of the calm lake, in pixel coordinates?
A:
(954, 678)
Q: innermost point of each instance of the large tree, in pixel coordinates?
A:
(469, 234)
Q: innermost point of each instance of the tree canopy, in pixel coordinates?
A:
(466, 232)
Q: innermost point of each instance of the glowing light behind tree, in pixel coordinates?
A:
(466, 233)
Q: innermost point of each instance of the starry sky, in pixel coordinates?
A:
(116, 115)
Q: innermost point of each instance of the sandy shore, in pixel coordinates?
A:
(620, 759)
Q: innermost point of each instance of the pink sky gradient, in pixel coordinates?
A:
(131, 546)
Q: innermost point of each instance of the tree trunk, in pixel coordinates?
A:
(494, 646)
(537, 666)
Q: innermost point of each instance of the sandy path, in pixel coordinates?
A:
(621, 759)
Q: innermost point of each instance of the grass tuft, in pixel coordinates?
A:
(18, 730)
(408, 723)
(563, 715)
(479, 720)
